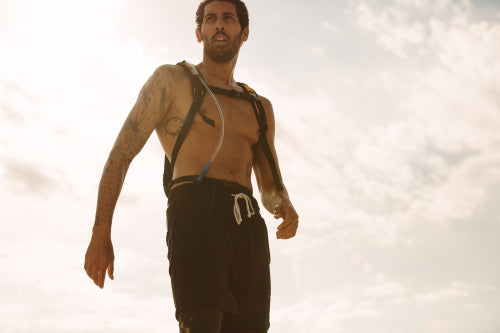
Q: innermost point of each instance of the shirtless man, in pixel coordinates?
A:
(217, 240)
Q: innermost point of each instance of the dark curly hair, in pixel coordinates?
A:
(241, 11)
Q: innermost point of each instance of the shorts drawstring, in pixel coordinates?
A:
(236, 208)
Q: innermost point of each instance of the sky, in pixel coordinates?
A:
(387, 116)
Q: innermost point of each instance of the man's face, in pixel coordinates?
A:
(221, 32)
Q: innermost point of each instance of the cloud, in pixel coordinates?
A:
(15, 100)
(445, 116)
(415, 131)
(316, 51)
(50, 292)
(391, 27)
(386, 306)
(25, 177)
(423, 29)
(455, 290)
(330, 27)
(328, 312)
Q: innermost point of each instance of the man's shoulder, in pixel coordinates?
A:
(253, 92)
(170, 71)
(266, 103)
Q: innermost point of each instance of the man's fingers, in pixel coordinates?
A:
(99, 260)
(278, 211)
(284, 224)
(289, 225)
(287, 233)
(87, 267)
(101, 275)
(288, 219)
(94, 275)
(288, 228)
(111, 268)
(89, 271)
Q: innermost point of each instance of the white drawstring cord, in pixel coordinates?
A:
(236, 208)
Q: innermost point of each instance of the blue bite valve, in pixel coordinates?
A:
(204, 171)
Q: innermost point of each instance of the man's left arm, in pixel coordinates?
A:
(276, 201)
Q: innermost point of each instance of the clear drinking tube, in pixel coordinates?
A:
(221, 115)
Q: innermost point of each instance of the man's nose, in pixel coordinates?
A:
(219, 25)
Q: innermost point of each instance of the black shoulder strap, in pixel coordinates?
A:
(232, 93)
(260, 114)
(198, 94)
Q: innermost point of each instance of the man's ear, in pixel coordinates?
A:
(244, 34)
(199, 37)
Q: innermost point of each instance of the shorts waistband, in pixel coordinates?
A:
(228, 185)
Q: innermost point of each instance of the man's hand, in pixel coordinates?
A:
(99, 259)
(288, 228)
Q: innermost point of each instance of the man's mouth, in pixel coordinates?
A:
(220, 38)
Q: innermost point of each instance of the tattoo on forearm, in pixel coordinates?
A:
(109, 188)
(173, 126)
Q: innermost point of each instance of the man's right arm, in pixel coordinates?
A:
(150, 109)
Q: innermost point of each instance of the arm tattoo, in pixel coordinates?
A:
(141, 122)
(146, 99)
(173, 126)
(134, 125)
(146, 108)
(109, 189)
(175, 76)
(163, 97)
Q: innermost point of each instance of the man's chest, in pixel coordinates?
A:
(239, 118)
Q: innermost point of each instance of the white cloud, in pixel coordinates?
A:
(386, 306)
(330, 27)
(391, 28)
(316, 51)
(456, 289)
(328, 312)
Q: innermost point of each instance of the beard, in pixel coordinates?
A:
(224, 53)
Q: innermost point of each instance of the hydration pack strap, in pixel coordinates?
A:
(232, 93)
(261, 118)
(198, 94)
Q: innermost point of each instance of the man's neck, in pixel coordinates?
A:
(218, 74)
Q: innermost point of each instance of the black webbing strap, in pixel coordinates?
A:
(261, 118)
(198, 94)
(231, 93)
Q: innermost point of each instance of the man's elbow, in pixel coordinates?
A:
(120, 156)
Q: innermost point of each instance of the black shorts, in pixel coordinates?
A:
(217, 258)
